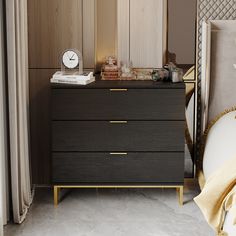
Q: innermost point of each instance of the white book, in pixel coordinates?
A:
(72, 76)
(72, 81)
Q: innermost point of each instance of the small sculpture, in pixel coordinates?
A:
(127, 69)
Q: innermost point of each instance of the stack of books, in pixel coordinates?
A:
(110, 70)
(73, 78)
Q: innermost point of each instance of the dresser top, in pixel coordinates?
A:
(120, 84)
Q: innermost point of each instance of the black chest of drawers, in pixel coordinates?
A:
(118, 134)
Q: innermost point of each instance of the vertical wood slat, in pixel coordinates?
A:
(142, 32)
(53, 27)
(106, 29)
(146, 32)
(89, 33)
(40, 124)
(123, 30)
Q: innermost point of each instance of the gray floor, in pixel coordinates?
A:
(113, 213)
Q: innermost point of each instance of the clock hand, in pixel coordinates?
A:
(72, 57)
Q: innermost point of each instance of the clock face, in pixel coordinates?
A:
(70, 59)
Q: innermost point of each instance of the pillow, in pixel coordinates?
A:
(220, 144)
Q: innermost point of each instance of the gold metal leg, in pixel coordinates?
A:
(180, 191)
(56, 194)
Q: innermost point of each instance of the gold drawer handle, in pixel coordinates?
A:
(118, 90)
(118, 122)
(119, 153)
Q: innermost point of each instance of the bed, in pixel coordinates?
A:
(219, 125)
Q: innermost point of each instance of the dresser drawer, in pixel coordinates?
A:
(119, 168)
(95, 136)
(106, 104)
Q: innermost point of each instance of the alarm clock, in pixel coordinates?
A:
(72, 61)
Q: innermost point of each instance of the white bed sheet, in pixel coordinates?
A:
(228, 225)
(220, 144)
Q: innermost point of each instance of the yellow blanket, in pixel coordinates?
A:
(218, 196)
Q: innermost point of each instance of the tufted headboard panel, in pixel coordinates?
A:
(218, 70)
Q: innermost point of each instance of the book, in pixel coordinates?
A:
(73, 75)
(75, 78)
(73, 81)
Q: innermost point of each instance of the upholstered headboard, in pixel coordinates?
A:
(218, 70)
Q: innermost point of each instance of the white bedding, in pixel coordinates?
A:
(219, 93)
(220, 144)
(229, 228)
(221, 147)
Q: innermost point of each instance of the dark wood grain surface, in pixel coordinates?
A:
(107, 168)
(95, 136)
(103, 104)
(53, 26)
(135, 84)
(40, 125)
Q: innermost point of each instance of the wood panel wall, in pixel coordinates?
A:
(53, 26)
(142, 32)
(147, 31)
(132, 30)
(106, 22)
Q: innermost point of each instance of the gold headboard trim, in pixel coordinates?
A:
(213, 122)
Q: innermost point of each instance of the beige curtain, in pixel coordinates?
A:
(18, 107)
(4, 203)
